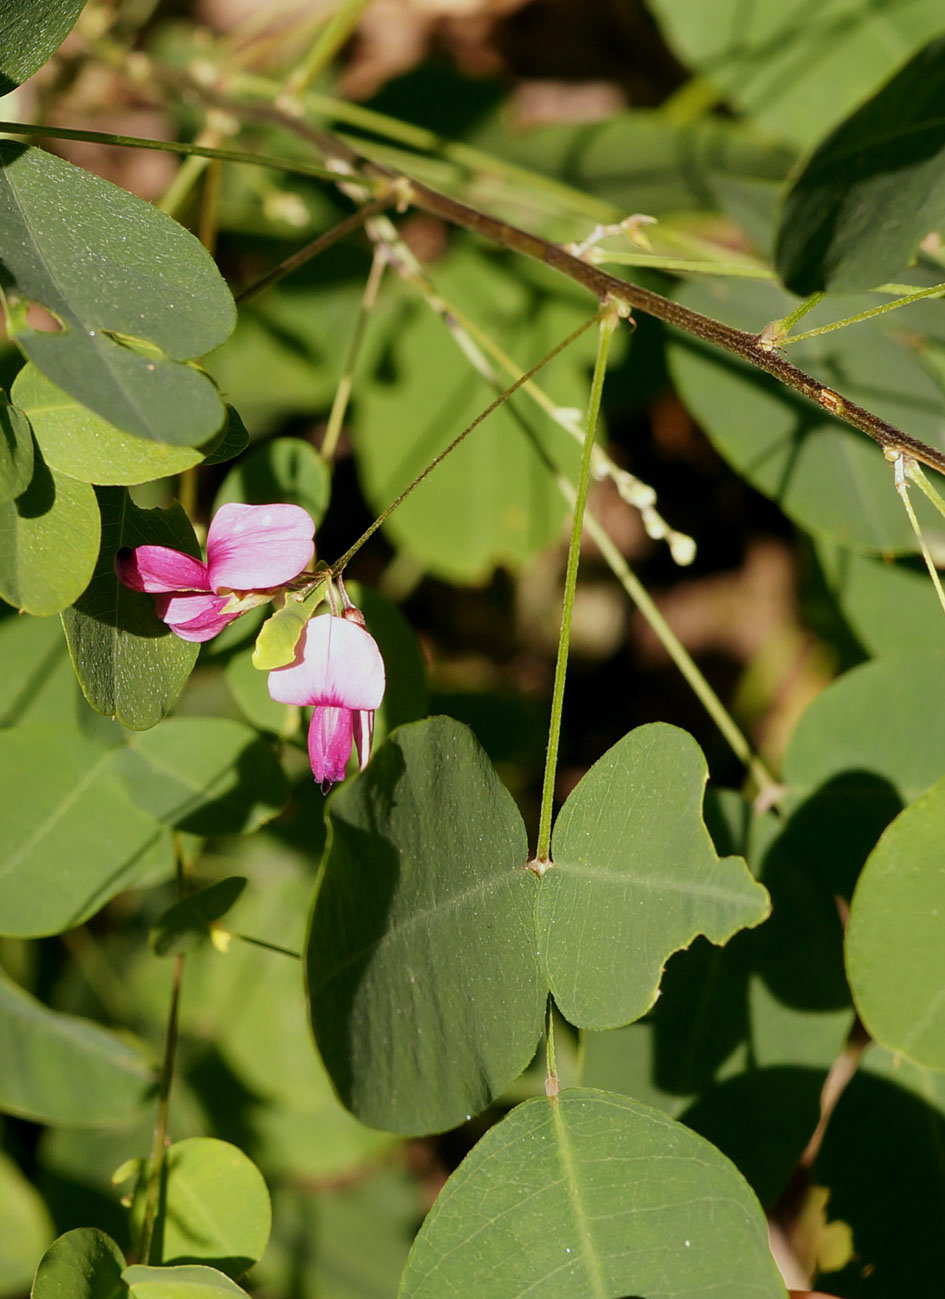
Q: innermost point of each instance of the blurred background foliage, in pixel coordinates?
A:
(556, 115)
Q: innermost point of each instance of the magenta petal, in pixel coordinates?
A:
(194, 617)
(362, 726)
(336, 662)
(329, 744)
(159, 568)
(254, 547)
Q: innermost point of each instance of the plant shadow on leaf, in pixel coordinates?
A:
(40, 496)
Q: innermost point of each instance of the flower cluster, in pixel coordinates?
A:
(253, 551)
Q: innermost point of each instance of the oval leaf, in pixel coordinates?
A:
(25, 1229)
(424, 992)
(214, 1209)
(285, 469)
(134, 293)
(826, 476)
(76, 441)
(872, 190)
(592, 1194)
(48, 542)
(30, 30)
(16, 451)
(635, 878)
(178, 1283)
(58, 865)
(186, 922)
(899, 907)
(83, 1264)
(130, 664)
(43, 1052)
(206, 775)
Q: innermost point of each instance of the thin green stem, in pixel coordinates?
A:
(270, 947)
(152, 1195)
(353, 222)
(684, 265)
(608, 323)
(934, 291)
(339, 406)
(902, 488)
(291, 165)
(325, 46)
(340, 564)
(924, 486)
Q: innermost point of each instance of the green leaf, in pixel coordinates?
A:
(135, 295)
(16, 451)
(182, 925)
(82, 1264)
(76, 441)
(494, 500)
(178, 1283)
(48, 542)
(873, 189)
(793, 68)
(866, 747)
(25, 1229)
(826, 476)
(592, 1194)
(635, 878)
(285, 469)
(130, 664)
(424, 991)
(36, 678)
(234, 440)
(30, 30)
(279, 634)
(215, 1208)
(890, 607)
(899, 907)
(206, 775)
(71, 839)
(43, 1055)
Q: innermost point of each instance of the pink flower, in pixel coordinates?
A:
(338, 669)
(249, 548)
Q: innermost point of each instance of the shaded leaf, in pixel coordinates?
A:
(82, 1264)
(635, 878)
(186, 922)
(899, 907)
(889, 606)
(592, 1194)
(826, 476)
(134, 293)
(206, 775)
(48, 541)
(234, 440)
(873, 189)
(16, 451)
(71, 839)
(36, 678)
(25, 1229)
(424, 991)
(44, 1052)
(30, 30)
(286, 469)
(130, 664)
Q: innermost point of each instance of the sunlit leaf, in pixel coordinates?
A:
(30, 30)
(592, 1194)
(135, 296)
(192, 1282)
(635, 878)
(83, 1264)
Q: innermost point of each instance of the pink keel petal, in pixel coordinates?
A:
(254, 547)
(159, 568)
(193, 617)
(336, 662)
(329, 744)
